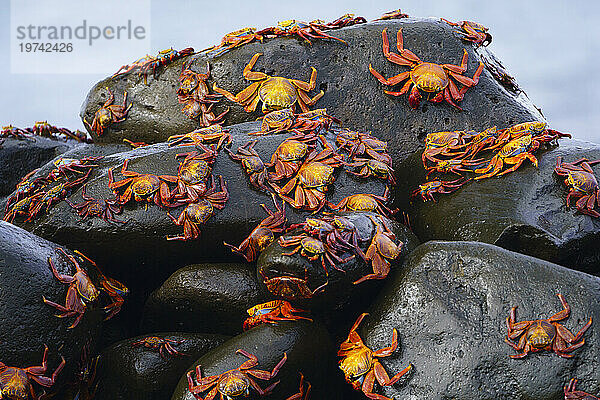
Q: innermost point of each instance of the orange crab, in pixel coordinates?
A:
(109, 113)
(291, 287)
(202, 136)
(428, 189)
(234, 39)
(472, 32)
(363, 144)
(275, 92)
(235, 382)
(431, 78)
(263, 235)
(361, 366)
(364, 202)
(81, 291)
(271, 312)
(544, 334)
(198, 213)
(381, 249)
(288, 156)
(304, 30)
(582, 183)
(194, 173)
(142, 187)
(15, 383)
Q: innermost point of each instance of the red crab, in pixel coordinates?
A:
(364, 202)
(234, 383)
(62, 166)
(472, 32)
(235, 39)
(161, 344)
(276, 121)
(314, 121)
(313, 249)
(572, 394)
(305, 30)
(343, 21)
(443, 144)
(142, 187)
(193, 174)
(582, 184)
(54, 195)
(109, 113)
(290, 287)
(16, 133)
(135, 145)
(395, 14)
(544, 334)
(361, 366)
(381, 249)
(91, 207)
(112, 287)
(263, 235)
(289, 155)
(253, 165)
(303, 394)
(429, 77)
(22, 207)
(15, 383)
(271, 312)
(81, 291)
(198, 213)
(24, 188)
(363, 144)
(372, 168)
(455, 166)
(202, 136)
(428, 189)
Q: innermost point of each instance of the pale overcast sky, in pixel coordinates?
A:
(551, 47)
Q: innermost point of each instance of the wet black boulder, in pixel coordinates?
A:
(309, 351)
(450, 304)
(27, 324)
(524, 211)
(351, 92)
(128, 372)
(203, 298)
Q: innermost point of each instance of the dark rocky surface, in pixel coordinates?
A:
(352, 94)
(308, 347)
(524, 211)
(18, 157)
(127, 372)
(340, 294)
(203, 298)
(450, 305)
(27, 324)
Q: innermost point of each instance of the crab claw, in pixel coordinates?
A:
(415, 97)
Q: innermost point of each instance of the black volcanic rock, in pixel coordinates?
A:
(524, 211)
(203, 298)
(308, 347)
(128, 372)
(351, 93)
(450, 304)
(27, 324)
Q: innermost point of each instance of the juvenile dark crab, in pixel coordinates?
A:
(372, 168)
(271, 312)
(142, 187)
(431, 78)
(381, 249)
(253, 165)
(572, 394)
(15, 383)
(582, 184)
(161, 344)
(428, 189)
(234, 383)
(91, 207)
(81, 291)
(472, 32)
(198, 213)
(109, 113)
(313, 249)
(275, 92)
(361, 366)
(210, 134)
(305, 30)
(263, 235)
(290, 287)
(544, 334)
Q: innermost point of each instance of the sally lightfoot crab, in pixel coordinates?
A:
(313, 249)
(161, 344)
(582, 184)
(91, 207)
(472, 32)
(16, 383)
(573, 394)
(361, 365)
(291, 287)
(271, 312)
(428, 189)
(234, 383)
(109, 113)
(382, 249)
(544, 334)
(253, 165)
(275, 92)
(433, 79)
